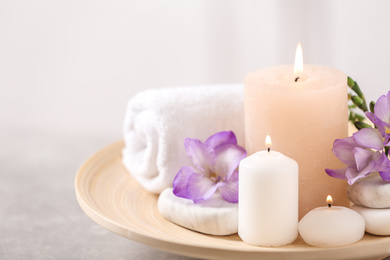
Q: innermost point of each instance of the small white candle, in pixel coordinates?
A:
(331, 226)
(377, 220)
(268, 199)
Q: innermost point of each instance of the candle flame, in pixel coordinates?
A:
(268, 142)
(298, 64)
(329, 201)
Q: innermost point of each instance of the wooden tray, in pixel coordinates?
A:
(113, 199)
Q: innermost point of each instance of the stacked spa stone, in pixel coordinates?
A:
(371, 196)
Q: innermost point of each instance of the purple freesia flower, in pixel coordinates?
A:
(361, 155)
(381, 117)
(214, 168)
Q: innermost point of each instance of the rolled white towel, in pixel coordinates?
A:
(157, 122)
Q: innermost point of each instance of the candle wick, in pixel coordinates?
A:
(296, 79)
(269, 149)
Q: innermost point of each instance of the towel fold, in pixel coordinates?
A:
(157, 122)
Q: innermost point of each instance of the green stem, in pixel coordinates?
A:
(358, 101)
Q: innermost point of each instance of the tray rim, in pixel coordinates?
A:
(205, 251)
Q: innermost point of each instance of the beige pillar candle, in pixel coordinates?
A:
(304, 112)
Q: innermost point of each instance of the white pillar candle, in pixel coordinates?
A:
(304, 117)
(268, 199)
(331, 226)
(377, 220)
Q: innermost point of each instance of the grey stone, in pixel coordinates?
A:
(370, 192)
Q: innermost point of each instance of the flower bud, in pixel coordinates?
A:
(357, 100)
(359, 125)
(350, 82)
(372, 105)
(351, 117)
(360, 117)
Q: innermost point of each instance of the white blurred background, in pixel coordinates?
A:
(70, 66)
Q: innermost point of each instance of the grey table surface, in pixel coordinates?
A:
(39, 215)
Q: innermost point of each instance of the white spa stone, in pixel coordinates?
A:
(377, 220)
(214, 216)
(370, 192)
